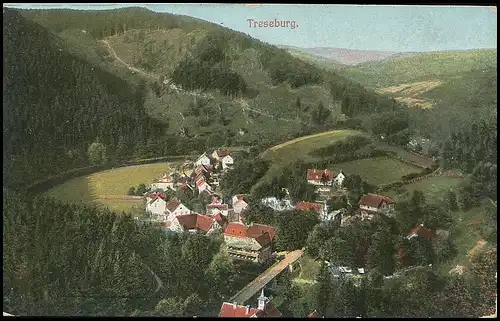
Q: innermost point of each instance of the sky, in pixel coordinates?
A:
(362, 27)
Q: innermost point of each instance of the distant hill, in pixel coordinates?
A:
(455, 84)
(349, 57)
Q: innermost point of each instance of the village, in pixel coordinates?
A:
(247, 241)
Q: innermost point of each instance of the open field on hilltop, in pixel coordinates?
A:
(377, 170)
(401, 152)
(433, 187)
(299, 148)
(431, 66)
(97, 188)
(450, 80)
(306, 144)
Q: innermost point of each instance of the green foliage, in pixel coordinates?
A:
(253, 169)
(131, 191)
(294, 228)
(97, 154)
(380, 254)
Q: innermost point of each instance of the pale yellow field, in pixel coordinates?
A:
(94, 188)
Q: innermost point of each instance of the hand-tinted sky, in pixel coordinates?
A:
(388, 28)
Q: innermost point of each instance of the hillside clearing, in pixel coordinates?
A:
(377, 170)
(433, 187)
(104, 188)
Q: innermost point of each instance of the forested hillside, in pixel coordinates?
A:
(212, 85)
(72, 260)
(56, 104)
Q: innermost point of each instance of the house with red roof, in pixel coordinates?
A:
(252, 243)
(203, 186)
(371, 204)
(164, 183)
(194, 222)
(308, 206)
(320, 177)
(264, 309)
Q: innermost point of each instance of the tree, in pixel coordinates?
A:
(221, 275)
(338, 252)
(465, 198)
(294, 228)
(141, 189)
(317, 238)
(380, 254)
(131, 191)
(171, 307)
(450, 200)
(323, 288)
(97, 153)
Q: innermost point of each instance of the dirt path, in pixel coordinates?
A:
(131, 68)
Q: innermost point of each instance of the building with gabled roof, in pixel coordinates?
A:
(250, 243)
(423, 232)
(371, 204)
(194, 222)
(264, 309)
(320, 177)
(174, 207)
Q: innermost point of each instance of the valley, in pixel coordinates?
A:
(156, 163)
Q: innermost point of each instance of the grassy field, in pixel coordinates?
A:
(94, 188)
(466, 235)
(377, 170)
(298, 149)
(434, 80)
(309, 269)
(433, 188)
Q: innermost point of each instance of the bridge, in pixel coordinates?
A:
(259, 282)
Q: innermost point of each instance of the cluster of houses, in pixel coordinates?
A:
(253, 242)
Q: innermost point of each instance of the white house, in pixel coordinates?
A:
(227, 162)
(277, 205)
(164, 183)
(203, 160)
(339, 179)
(174, 208)
(239, 204)
(156, 207)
